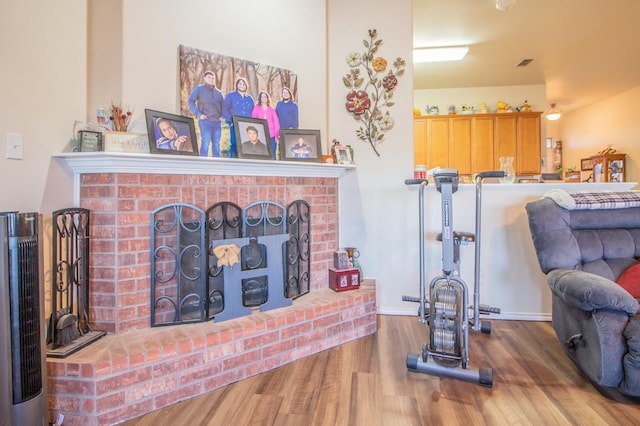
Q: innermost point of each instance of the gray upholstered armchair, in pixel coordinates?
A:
(584, 253)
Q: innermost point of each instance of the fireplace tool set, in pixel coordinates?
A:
(444, 304)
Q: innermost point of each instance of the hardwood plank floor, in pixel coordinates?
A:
(366, 382)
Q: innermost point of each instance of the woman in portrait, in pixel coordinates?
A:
(265, 111)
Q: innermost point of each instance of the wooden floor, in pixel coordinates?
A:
(366, 382)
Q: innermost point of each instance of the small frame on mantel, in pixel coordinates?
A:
(300, 145)
(343, 154)
(171, 133)
(90, 141)
(252, 136)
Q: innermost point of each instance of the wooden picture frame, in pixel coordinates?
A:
(90, 141)
(343, 155)
(300, 145)
(171, 133)
(586, 164)
(252, 138)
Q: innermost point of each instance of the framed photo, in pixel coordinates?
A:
(90, 141)
(252, 136)
(586, 164)
(300, 145)
(170, 133)
(343, 154)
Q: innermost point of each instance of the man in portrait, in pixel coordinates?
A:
(301, 149)
(205, 102)
(253, 145)
(239, 103)
(170, 139)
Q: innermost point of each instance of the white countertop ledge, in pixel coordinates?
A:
(542, 187)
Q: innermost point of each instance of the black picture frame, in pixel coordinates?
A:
(183, 126)
(241, 125)
(289, 138)
(90, 141)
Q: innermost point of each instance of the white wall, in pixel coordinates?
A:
(284, 33)
(614, 121)
(43, 90)
(515, 96)
(379, 213)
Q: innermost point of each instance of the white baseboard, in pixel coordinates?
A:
(517, 316)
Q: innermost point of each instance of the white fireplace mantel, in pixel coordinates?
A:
(78, 163)
(120, 162)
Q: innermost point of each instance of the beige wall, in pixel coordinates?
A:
(284, 33)
(378, 212)
(613, 121)
(42, 91)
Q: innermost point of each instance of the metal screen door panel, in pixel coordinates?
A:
(224, 221)
(298, 249)
(178, 265)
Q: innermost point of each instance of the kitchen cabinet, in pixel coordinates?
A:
(473, 143)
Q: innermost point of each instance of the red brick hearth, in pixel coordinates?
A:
(124, 376)
(136, 369)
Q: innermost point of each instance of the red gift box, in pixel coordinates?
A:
(344, 279)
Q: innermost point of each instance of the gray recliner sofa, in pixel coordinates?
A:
(583, 253)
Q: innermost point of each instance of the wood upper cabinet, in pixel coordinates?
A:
(474, 143)
(438, 137)
(528, 147)
(419, 134)
(506, 137)
(482, 150)
(460, 145)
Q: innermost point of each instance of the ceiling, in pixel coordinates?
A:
(583, 50)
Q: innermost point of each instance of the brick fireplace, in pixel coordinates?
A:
(136, 369)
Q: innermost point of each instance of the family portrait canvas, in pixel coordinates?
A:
(214, 88)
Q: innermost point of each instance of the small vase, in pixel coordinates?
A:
(506, 166)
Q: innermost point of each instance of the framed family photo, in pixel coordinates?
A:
(252, 136)
(171, 133)
(300, 145)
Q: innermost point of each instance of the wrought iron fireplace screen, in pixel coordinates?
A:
(68, 328)
(183, 238)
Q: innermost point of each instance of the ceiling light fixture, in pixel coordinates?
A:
(503, 5)
(553, 113)
(439, 54)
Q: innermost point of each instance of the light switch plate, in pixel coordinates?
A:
(15, 146)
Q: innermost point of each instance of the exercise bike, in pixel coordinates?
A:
(446, 308)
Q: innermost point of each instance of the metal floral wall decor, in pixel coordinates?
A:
(371, 84)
